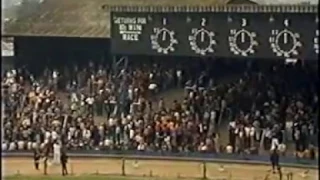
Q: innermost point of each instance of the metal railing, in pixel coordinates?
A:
(167, 169)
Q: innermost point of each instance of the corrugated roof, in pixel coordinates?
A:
(81, 18)
(241, 2)
(286, 2)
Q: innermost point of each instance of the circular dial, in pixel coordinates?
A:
(242, 42)
(316, 42)
(163, 40)
(285, 43)
(202, 41)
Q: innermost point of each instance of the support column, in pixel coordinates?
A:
(119, 63)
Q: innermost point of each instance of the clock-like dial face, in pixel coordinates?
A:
(163, 40)
(202, 41)
(203, 38)
(285, 42)
(242, 42)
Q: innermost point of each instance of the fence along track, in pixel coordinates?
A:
(157, 168)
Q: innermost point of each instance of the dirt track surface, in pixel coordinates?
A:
(172, 169)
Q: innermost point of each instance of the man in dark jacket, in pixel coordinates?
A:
(36, 157)
(46, 154)
(64, 161)
(45, 165)
(274, 158)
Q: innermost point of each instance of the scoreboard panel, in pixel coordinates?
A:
(220, 34)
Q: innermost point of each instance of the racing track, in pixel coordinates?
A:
(172, 169)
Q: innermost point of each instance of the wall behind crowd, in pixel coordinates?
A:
(35, 52)
(6, 63)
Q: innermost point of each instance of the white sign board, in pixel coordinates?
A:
(7, 46)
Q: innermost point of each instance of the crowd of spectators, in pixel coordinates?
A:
(274, 108)
(34, 111)
(266, 108)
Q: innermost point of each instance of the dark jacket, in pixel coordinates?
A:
(274, 157)
(64, 158)
(36, 155)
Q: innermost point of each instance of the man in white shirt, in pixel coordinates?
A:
(12, 146)
(274, 143)
(4, 146)
(229, 149)
(179, 77)
(54, 135)
(141, 147)
(21, 145)
(55, 75)
(153, 88)
(56, 153)
(90, 101)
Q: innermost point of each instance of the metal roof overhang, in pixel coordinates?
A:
(90, 18)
